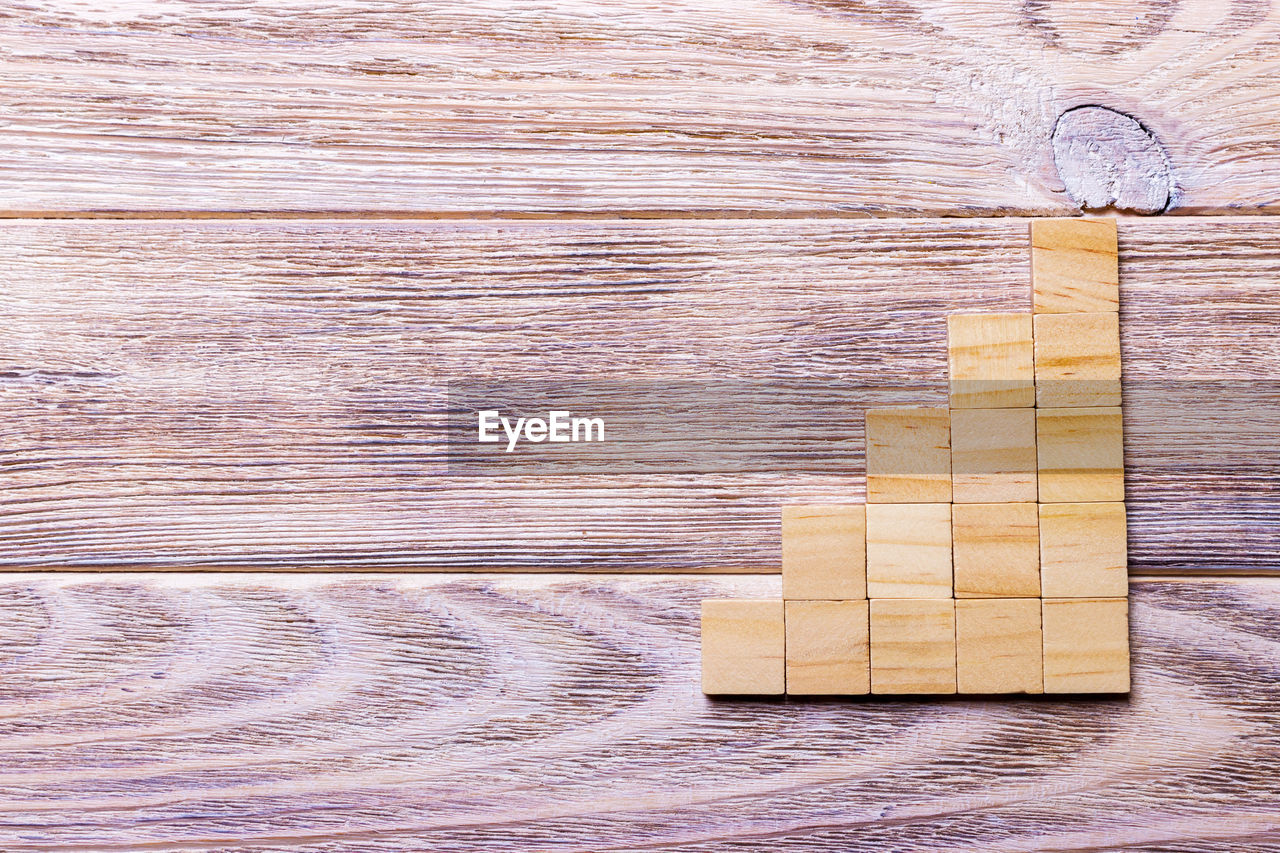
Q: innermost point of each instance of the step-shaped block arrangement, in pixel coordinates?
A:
(991, 554)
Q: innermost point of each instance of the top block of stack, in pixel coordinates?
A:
(1074, 266)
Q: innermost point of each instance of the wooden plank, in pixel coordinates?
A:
(933, 106)
(268, 394)
(482, 713)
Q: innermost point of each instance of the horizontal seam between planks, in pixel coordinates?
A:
(638, 213)
(1161, 576)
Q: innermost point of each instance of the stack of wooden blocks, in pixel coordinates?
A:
(991, 554)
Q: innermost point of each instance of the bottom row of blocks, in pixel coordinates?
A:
(915, 646)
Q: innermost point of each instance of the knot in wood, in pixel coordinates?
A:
(1106, 158)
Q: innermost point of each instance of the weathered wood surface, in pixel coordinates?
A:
(265, 395)
(912, 106)
(507, 713)
(268, 394)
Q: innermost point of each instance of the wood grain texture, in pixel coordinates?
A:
(1082, 550)
(999, 645)
(1086, 645)
(267, 394)
(913, 646)
(743, 646)
(993, 455)
(991, 361)
(909, 551)
(1077, 359)
(1074, 265)
(1081, 454)
(911, 106)
(828, 648)
(489, 713)
(907, 455)
(824, 552)
(996, 550)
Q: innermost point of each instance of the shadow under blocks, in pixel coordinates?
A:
(990, 556)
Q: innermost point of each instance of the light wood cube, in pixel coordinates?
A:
(1086, 645)
(1077, 359)
(743, 647)
(824, 552)
(913, 646)
(828, 648)
(991, 361)
(1074, 265)
(909, 550)
(1083, 550)
(1081, 454)
(908, 455)
(993, 455)
(998, 645)
(996, 550)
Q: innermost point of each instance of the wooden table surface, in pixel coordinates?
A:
(252, 604)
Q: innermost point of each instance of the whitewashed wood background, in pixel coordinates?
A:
(235, 232)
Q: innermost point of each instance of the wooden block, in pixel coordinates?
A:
(1077, 360)
(991, 361)
(998, 645)
(824, 552)
(1086, 645)
(993, 455)
(909, 550)
(996, 552)
(743, 647)
(1074, 265)
(1081, 455)
(908, 455)
(1083, 550)
(913, 645)
(828, 648)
